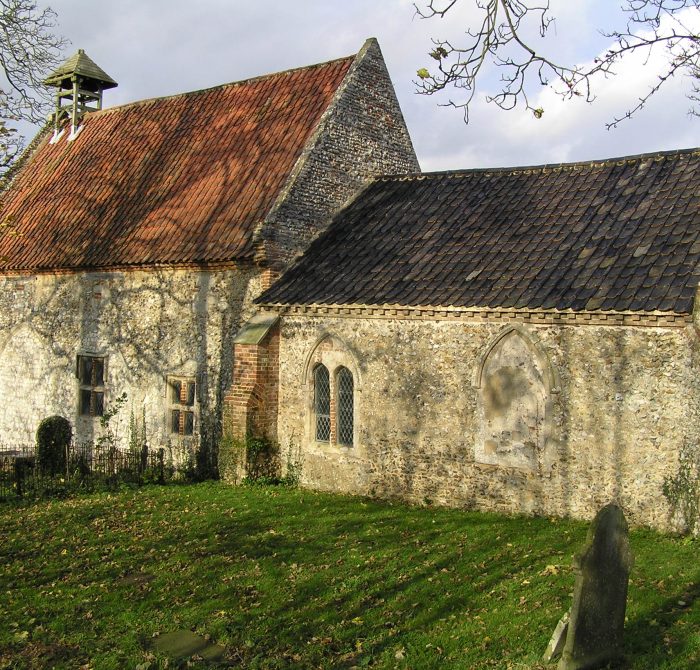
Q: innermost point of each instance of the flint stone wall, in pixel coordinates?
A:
(148, 324)
(609, 408)
(362, 134)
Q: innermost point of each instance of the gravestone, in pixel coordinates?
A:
(183, 644)
(558, 640)
(594, 636)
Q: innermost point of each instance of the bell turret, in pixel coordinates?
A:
(79, 84)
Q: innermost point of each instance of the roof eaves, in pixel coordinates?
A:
(456, 310)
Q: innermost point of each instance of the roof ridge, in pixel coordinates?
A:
(240, 82)
(544, 167)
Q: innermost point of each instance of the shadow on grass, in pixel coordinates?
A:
(290, 578)
(653, 636)
(391, 571)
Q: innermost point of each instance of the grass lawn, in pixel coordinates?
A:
(285, 578)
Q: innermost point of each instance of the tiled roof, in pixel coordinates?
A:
(617, 235)
(183, 179)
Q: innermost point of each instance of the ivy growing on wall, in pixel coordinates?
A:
(682, 490)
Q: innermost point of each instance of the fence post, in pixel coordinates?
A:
(143, 459)
(161, 466)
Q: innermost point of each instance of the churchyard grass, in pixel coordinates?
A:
(286, 578)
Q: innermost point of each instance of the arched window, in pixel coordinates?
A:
(322, 403)
(345, 406)
(333, 388)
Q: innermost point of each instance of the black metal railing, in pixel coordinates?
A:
(87, 467)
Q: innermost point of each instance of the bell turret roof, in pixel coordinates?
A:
(82, 65)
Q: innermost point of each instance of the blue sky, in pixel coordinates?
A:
(161, 47)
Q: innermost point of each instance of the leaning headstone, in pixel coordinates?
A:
(594, 638)
(556, 644)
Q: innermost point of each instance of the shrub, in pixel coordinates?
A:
(53, 438)
(683, 489)
(262, 458)
(255, 459)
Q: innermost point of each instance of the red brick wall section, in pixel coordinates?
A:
(269, 277)
(251, 402)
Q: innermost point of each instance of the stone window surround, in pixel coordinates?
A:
(551, 386)
(335, 356)
(93, 387)
(171, 405)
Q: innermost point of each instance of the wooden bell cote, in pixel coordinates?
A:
(79, 85)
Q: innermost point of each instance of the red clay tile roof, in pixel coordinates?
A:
(622, 234)
(184, 179)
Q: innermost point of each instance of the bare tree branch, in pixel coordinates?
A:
(29, 50)
(498, 41)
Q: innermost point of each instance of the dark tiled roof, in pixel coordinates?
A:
(171, 180)
(617, 235)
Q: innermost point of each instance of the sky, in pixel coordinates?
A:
(162, 47)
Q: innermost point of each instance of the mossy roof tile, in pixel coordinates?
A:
(547, 237)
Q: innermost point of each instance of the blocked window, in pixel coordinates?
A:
(345, 411)
(91, 374)
(322, 403)
(182, 405)
(511, 403)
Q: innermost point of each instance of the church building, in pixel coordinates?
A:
(264, 259)
(519, 340)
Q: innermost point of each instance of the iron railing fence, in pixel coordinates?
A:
(87, 467)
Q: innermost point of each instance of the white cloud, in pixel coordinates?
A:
(161, 47)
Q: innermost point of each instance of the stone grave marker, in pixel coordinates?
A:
(183, 644)
(594, 636)
(558, 640)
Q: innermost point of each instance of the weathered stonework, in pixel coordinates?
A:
(619, 402)
(148, 325)
(515, 387)
(158, 324)
(361, 135)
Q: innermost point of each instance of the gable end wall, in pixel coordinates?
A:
(363, 134)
